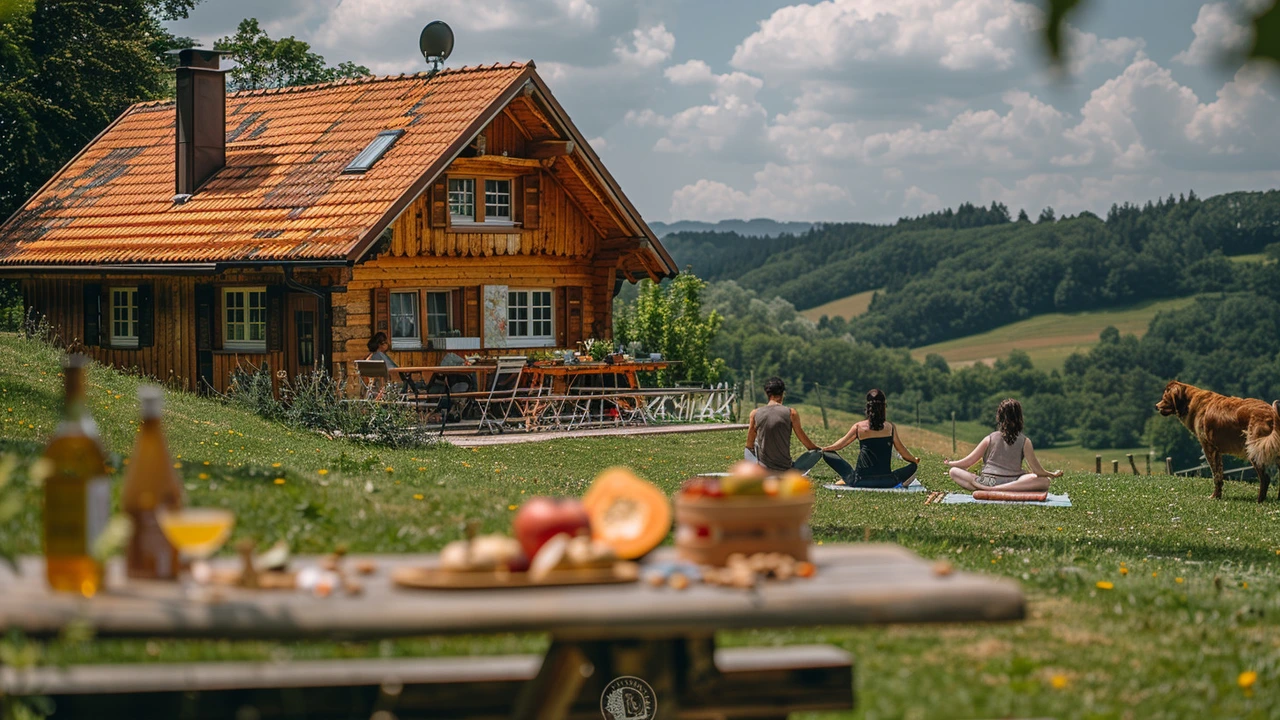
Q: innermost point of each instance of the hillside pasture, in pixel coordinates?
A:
(846, 307)
(1145, 599)
(1050, 338)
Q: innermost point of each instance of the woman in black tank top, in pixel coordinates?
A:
(877, 440)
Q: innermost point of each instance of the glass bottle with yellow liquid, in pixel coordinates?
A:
(77, 492)
(150, 486)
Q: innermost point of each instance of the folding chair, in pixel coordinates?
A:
(496, 408)
(371, 372)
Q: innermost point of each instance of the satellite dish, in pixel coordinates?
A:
(436, 43)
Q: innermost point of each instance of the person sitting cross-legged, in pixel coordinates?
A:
(877, 439)
(770, 429)
(1002, 453)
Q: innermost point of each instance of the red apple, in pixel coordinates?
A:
(541, 518)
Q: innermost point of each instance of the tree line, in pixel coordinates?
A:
(958, 272)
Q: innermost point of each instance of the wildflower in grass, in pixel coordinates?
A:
(1058, 681)
(1105, 585)
(177, 466)
(1153, 573)
(417, 496)
(1246, 680)
(323, 471)
(278, 481)
(1244, 585)
(275, 464)
(1178, 580)
(421, 469)
(511, 507)
(1124, 571)
(206, 462)
(390, 469)
(203, 476)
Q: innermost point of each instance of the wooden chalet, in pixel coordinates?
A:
(460, 211)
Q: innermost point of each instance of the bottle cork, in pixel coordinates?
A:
(151, 398)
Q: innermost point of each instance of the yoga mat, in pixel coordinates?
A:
(914, 487)
(962, 499)
(1011, 495)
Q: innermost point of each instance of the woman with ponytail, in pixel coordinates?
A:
(1002, 453)
(877, 439)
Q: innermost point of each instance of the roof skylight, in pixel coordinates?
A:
(373, 151)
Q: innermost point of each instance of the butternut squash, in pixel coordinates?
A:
(627, 514)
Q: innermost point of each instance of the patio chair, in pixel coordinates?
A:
(374, 377)
(496, 408)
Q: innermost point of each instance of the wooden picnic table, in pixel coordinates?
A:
(564, 376)
(423, 375)
(598, 633)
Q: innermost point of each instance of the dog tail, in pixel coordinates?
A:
(1265, 449)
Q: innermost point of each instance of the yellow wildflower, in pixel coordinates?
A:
(275, 464)
(1124, 571)
(1178, 580)
(279, 481)
(417, 496)
(1058, 681)
(323, 471)
(1247, 679)
(511, 507)
(203, 476)
(390, 469)
(1105, 585)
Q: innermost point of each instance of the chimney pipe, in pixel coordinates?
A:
(202, 119)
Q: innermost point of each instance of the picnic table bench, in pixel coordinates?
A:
(598, 633)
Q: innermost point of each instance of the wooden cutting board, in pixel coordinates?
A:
(439, 579)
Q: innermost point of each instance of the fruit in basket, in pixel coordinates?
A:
(736, 485)
(487, 552)
(541, 518)
(627, 514)
(748, 469)
(793, 484)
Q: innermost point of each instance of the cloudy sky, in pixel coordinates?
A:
(861, 110)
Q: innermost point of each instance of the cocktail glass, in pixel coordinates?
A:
(196, 533)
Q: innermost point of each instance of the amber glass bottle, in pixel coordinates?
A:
(150, 483)
(77, 492)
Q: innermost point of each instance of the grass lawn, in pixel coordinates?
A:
(1050, 338)
(846, 307)
(1253, 258)
(1146, 600)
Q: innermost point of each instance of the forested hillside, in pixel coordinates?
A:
(957, 272)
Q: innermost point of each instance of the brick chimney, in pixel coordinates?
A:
(202, 119)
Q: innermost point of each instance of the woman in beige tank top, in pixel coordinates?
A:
(1002, 453)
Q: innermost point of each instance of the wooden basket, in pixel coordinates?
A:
(709, 530)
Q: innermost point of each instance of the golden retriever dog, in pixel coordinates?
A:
(1248, 429)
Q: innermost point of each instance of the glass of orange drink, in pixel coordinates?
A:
(196, 533)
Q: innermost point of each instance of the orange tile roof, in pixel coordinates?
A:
(282, 194)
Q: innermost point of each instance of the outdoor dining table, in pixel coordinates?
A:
(564, 376)
(598, 633)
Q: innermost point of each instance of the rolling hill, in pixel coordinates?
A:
(846, 307)
(1051, 337)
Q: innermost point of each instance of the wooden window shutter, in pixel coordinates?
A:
(93, 325)
(275, 318)
(532, 201)
(439, 204)
(471, 311)
(380, 311)
(146, 316)
(206, 311)
(573, 316)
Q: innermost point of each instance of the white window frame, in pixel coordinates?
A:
(245, 344)
(129, 340)
(530, 339)
(405, 342)
(462, 219)
(509, 218)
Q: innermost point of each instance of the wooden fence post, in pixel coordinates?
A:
(953, 431)
(822, 406)
(1097, 464)
(1133, 465)
(1149, 454)
(1168, 466)
(1115, 467)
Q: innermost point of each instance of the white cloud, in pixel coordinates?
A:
(780, 192)
(1220, 30)
(1086, 50)
(917, 200)
(733, 122)
(835, 34)
(649, 47)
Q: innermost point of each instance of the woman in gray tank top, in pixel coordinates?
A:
(1002, 453)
